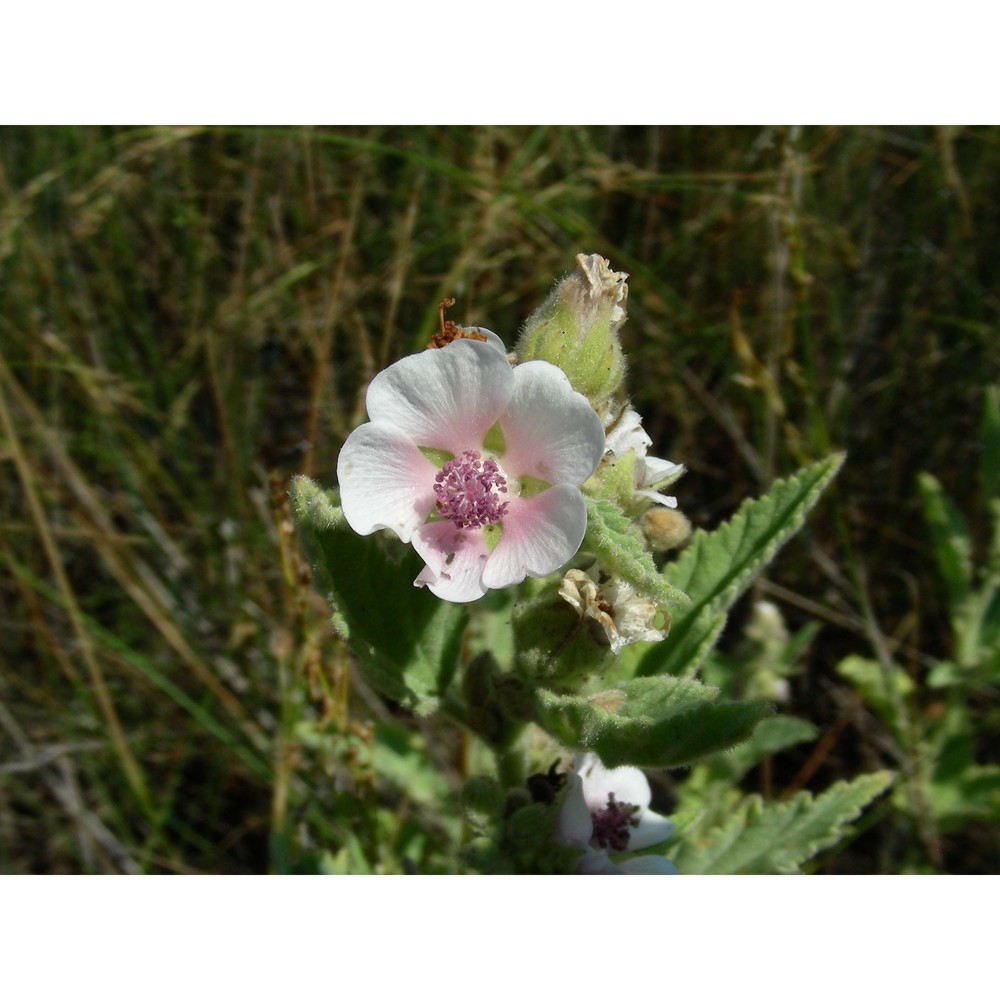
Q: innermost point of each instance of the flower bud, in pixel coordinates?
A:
(577, 327)
(552, 645)
(665, 528)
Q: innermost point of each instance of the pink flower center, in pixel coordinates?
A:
(468, 491)
(611, 824)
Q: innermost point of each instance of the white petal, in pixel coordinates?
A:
(652, 829)
(385, 482)
(491, 338)
(540, 534)
(455, 559)
(550, 431)
(597, 863)
(575, 825)
(445, 398)
(628, 784)
(658, 470)
(658, 498)
(628, 435)
(649, 864)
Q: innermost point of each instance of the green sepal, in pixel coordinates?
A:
(614, 481)
(407, 641)
(649, 722)
(494, 441)
(438, 457)
(717, 567)
(617, 543)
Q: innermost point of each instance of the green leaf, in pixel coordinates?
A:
(950, 537)
(399, 756)
(960, 790)
(718, 566)
(349, 860)
(972, 795)
(777, 838)
(649, 722)
(612, 537)
(407, 640)
(772, 735)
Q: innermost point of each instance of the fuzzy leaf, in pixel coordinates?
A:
(407, 640)
(649, 722)
(778, 837)
(716, 567)
(612, 538)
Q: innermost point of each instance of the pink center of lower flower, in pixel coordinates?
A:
(469, 489)
(611, 825)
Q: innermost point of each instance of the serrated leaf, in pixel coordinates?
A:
(718, 566)
(407, 641)
(684, 651)
(950, 537)
(649, 722)
(612, 538)
(777, 838)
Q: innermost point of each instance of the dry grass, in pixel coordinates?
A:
(189, 317)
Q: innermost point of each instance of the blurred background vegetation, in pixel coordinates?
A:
(188, 317)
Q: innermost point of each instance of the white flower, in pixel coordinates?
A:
(624, 615)
(651, 474)
(476, 463)
(607, 810)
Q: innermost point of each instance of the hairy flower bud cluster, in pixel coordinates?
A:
(577, 328)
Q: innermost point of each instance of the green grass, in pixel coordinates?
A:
(188, 318)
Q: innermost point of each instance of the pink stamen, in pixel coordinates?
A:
(469, 489)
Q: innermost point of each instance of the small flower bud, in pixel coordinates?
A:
(577, 327)
(552, 646)
(767, 646)
(665, 528)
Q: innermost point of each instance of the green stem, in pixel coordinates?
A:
(511, 767)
